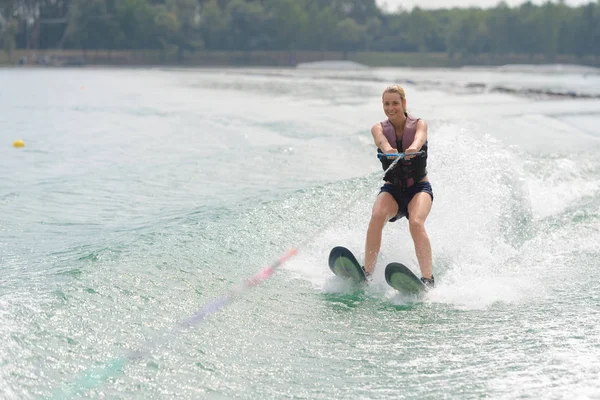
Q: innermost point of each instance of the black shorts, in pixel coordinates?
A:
(404, 197)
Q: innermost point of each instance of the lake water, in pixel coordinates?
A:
(142, 195)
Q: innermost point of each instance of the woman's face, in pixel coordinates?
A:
(393, 105)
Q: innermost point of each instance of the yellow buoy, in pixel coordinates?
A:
(19, 143)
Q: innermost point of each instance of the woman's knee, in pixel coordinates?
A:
(416, 224)
(378, 215)
(381, 213)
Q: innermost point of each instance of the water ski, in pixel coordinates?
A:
(403, 279)
(343, 263)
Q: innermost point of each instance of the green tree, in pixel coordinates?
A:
(501, 23)
(7, 36)
(348, 34)
(288, 24)
(137, 19)
(91, 27)
(188, 36)
(470, 34)
(527, 30)
(589, 29)
(373, 31)
(214, 25)
(395, 36)
(358, 10)
(167, 28)
(247, 23)
(551, 29)
(423, 31)
(322, 22)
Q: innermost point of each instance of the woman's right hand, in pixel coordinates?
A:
(391, 150)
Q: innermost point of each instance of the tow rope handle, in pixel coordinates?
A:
(400, 155)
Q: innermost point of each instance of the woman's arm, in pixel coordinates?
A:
(420, 138)
(380, 140)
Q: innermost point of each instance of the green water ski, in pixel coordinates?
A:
(343, 263)
(403, 279)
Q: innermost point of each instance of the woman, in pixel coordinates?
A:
(407, 191)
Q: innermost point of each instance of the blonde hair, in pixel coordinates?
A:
(398, 90)
(395, 89)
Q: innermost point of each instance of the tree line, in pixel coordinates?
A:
(290, 25)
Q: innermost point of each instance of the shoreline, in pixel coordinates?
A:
(473, 86)
(231, 59)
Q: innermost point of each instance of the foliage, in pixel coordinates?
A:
(550, 29)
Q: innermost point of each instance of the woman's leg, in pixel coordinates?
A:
(418, 210)
(385, 207)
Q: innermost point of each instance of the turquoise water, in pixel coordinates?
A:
(142, 195)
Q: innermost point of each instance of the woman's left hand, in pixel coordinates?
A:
(409, 153)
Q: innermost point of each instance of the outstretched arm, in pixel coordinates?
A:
(420, 138)
(380, 140)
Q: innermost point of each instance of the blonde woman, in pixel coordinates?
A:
(407, 191)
